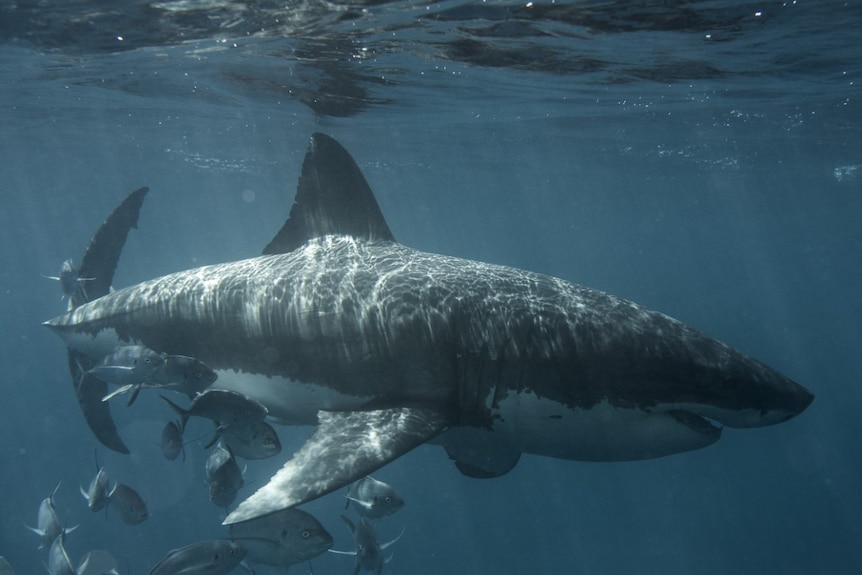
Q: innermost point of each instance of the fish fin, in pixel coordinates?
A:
(103, 253)
(332, 198)
(35, 530)
(119, 391)
(89, 391)
(349, 524)
(98, 265)
(479, 453)
(389, 543)
(84, 493)
(184, 414)
(247, 566)
(54, 492)
(363, 504)
(219, 428)
(137, 389)
(344, 447)
(342, 552)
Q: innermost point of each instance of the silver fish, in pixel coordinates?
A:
(99, 492)
(58, 560)
(224, 476)
(129, 504)
(184, 374)
(282, 538)
(250, 440)
(220, 405)
(369, 553)
(128, 365)
(47, 525)
(213, 557)
(172, 441)
(374, 499)
(178, 373)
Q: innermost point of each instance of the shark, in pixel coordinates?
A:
(382, 348)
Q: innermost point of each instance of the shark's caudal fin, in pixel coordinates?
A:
(100, 259)
(344, 447)
(98, 265)
(332, 197)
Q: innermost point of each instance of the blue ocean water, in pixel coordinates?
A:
(700, 158)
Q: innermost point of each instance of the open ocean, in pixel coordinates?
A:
(701, 158)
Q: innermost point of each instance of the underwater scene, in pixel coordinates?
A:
(432, 287)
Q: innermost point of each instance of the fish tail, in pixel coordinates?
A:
(184, 414)
(53, 493)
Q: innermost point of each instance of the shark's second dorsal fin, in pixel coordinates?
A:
(332, 198)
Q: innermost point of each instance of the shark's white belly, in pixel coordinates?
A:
(603, 433)
(288, 401)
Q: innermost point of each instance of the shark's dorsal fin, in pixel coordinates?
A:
(332, 197)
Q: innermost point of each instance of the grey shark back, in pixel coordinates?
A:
(384, 348)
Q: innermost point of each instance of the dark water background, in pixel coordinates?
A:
(700, 158)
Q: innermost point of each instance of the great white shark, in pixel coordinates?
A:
(383, 348)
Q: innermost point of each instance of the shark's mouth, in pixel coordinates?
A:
(698, 423)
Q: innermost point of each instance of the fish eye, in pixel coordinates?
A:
(283, 533)
(387, 499)
(306, 534)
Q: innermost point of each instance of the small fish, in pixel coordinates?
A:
(224, 476)
(250, 440)
(213, 557)
(172, 441)
(369, 553)
(70, 281)
(184, 374)
(47, 525)
(5, 568)
(58, 560)
(282, 538)
(222, 406)
(99, 492)
(128, 504)
(129, 367)
(178, 373)
(374, 499)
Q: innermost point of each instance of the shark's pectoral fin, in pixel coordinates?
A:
(479, 453)
(89, 391)
(345, 447)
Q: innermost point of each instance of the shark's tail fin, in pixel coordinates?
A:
(98, 265)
